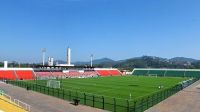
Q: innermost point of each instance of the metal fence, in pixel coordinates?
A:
(106, 103)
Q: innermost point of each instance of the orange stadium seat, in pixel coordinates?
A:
(7, 74)
(115, 72)
(25, 74)
(104, 72)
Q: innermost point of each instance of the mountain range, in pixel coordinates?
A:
(143, 62)
(136, 62)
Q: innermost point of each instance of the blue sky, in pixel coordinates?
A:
(117, 29)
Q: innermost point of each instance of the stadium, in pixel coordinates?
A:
(104, 88)
(99, 56)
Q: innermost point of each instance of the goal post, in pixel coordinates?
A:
(53, 83)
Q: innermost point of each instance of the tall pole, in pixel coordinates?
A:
(19, 64)
(91, 59)
(68, 56)
(43, 56)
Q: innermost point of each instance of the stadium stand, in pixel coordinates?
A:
(77, 73)
(58, 74)
(108, 72)
(73, 74)
(192, 73)
(173, 73)
(140, 72)
(7, 75)
(43, 74)
(25, 74)
(30, 74)
(49, 75)
(157, 72)
(17, 74)
(90, 74)
(167, 72)
(115, 72)
(55, 74)
(103, 72)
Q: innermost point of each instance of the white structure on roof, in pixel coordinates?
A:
(105, 69)
(5, 64)
(68, 59)
(91, 59)
(50, 61)
(5, 68)
(43, 56)
(68, 56)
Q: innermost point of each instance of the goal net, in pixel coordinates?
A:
(153, 75)
(53, 83)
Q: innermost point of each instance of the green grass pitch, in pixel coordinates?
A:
(118, 87)
(92, 91)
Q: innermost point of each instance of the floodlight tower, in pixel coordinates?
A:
(91, 59)
(43, 55)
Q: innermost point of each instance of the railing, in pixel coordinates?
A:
(16, 102)
(107, 103)
(22, 104)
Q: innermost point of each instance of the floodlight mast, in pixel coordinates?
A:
(43, 55)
